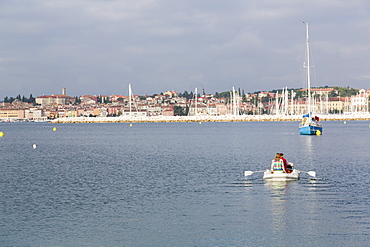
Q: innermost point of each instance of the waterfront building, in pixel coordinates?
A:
(58, 99)
(154, 110)
(7, 114)
(133, 113)
(88, 99)
(34, 114)
(360, 102)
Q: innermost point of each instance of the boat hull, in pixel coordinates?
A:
(294, 175)
(310, 130)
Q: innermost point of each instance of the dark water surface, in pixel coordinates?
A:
(182, 184)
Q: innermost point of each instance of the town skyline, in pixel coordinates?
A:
(200, 92)
(230, 103)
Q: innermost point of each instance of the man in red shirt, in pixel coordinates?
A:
(287, 167)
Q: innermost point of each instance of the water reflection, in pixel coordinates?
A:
(278, 206)
(278, 188)
(308, 144)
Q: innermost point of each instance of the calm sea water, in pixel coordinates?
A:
(182, 184)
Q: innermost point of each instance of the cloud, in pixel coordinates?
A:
(93, 46)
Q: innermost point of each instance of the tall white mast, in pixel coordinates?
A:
(129, 96)
(277, 103)
(308, 69)
(233, 102)
(292, 103)
(196, 101)
(286, 101)
(283, 102)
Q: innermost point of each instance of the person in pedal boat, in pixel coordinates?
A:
(277, 164)
(287, 167)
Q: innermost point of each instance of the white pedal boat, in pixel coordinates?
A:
(281, 176)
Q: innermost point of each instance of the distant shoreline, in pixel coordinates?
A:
(243, 118)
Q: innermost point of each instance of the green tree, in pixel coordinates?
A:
(178, 110)
(78, 100)
(224, 95)
(345, 91)
(31, 99)
(186, 95)
(300, 94)
(265, 99)
(244, 98)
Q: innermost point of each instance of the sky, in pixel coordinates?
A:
(99, 47)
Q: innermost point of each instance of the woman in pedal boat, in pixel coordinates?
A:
(277, 164)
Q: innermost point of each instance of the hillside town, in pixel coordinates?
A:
(283, 102)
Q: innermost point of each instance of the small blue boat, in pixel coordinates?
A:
(310, 130)
(310, 124)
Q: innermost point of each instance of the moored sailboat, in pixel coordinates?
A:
(310, 124)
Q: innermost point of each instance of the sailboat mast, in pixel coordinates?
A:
(292, 102)
(308, 70)
(129, 96)
(277, 103)
(233, 102)
(196, 101)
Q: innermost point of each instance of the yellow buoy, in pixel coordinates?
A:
(54, 129)
(34, 146)
(2, 133)
(200, 122)
(344, 122)
(318, 132)
(130, 125)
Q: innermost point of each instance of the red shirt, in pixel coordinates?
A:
(285, 163)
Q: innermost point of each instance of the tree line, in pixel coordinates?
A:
(23, 98)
